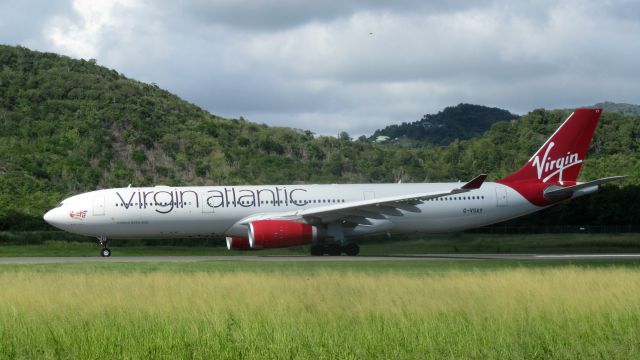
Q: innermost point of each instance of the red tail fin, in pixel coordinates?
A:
(559, 160)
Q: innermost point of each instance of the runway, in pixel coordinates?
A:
(419, 257)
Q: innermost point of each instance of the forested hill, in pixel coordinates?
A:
(463, 121)
(69, 126)
(622, 108)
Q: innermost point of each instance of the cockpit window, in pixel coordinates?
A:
(60, 205)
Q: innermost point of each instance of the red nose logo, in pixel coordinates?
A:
(78, 215)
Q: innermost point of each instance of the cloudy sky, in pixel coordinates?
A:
(355, 66)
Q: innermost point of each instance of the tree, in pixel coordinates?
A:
(344, 136)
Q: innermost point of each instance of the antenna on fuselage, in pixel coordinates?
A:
(129, 186)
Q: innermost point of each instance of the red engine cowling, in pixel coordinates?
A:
(265, 234)
(238, 243)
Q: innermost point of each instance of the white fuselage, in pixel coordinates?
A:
(213, 210)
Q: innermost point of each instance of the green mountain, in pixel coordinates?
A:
(622, 108)
(462, 121)
(68, 126)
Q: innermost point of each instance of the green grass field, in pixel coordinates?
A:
(429, 244)
(308, 310)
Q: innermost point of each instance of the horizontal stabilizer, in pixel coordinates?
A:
(556, 192)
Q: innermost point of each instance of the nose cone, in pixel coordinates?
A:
(53, 217)
(47, 217)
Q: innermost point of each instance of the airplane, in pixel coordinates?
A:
(331, 217)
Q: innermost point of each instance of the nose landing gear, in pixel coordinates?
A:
(104, 243)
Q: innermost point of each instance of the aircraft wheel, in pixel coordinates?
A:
(104, 243)
(317, 250)
(334, 250)
(351, 249)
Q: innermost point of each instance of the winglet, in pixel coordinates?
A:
(475, 183)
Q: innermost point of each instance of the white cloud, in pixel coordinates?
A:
(357, 65)
(94, 22)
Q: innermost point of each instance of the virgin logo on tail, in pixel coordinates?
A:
(559, 159)
(545, 164)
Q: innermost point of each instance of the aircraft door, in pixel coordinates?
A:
(501, 197)
(98, 205)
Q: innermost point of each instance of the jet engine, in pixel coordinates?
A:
(265, 234)
(238, 243)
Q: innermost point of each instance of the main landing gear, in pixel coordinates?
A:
(104, 243)
(334, 249)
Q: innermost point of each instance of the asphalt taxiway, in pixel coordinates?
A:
(422, 257)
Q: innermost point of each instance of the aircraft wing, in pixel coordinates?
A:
(358, 212)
